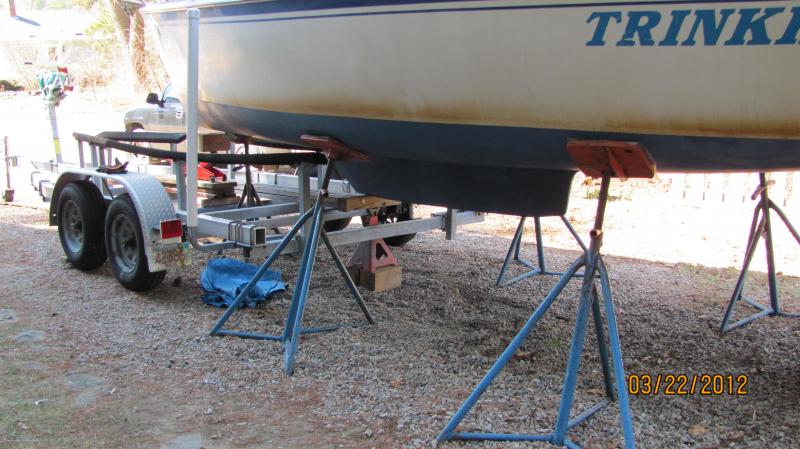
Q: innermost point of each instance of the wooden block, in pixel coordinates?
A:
(215, 142)
(350, 203)
(203, 193)
(214, 202)
(384, 278)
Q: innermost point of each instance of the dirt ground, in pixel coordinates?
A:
(87, 364)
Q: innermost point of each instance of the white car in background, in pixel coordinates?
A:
(162, 113)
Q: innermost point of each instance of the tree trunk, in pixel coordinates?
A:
(122, 20)
(130, 34)
(136, 48)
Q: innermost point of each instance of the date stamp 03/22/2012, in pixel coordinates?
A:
(688, 384)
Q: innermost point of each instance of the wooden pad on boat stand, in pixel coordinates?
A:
(623, 159)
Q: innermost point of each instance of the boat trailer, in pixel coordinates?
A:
(107, 211)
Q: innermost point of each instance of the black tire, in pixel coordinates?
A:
(125, 247)
(80, 215)
(336, 225)
(393, 214)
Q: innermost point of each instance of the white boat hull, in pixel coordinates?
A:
(704, 86)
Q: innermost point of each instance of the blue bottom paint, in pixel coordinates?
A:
(489, 168)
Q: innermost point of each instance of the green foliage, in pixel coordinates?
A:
(103, 65)
(592, 194)
(85, 4)
(102, 29)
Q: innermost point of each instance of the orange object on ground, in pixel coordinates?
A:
(373, 254)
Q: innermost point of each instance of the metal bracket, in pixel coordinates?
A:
(247, 234)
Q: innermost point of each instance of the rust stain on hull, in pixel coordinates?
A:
(501, 115)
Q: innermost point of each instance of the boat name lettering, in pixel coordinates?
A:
(686, 27)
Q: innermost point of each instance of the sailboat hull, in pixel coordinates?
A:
(450, 88)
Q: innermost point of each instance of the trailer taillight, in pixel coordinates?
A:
(171, 229)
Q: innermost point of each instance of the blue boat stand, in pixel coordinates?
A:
(761, 226)
(249, 196)
(514, 248)
(614, 379)
(293, 327)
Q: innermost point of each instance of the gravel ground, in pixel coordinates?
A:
(87, 364)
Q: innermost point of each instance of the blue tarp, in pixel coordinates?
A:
(223, 279)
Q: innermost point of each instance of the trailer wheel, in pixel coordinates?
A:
(394, 214)
(80, 225)
(336, 225)
(125, 246)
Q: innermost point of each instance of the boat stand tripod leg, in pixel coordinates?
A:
(513, 252)
(761, 226)
(616, 353)
(449, 431)
(601, 345)
(217, 329)
(514, 249)
(574, 233)
(589, 303)
(537, 226)
(596, 158)
(347, 278)
(291, 334)
(293, 327)
(249, 196)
